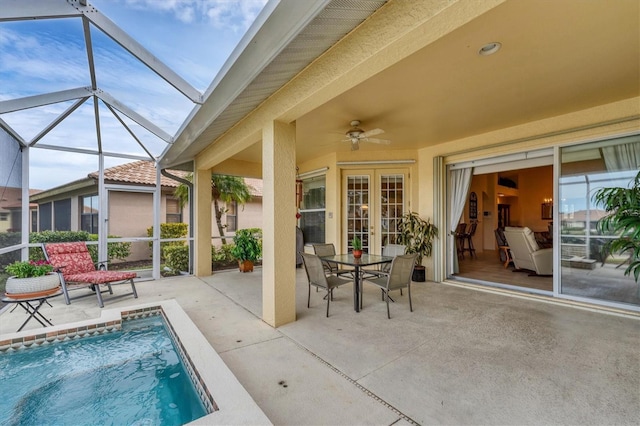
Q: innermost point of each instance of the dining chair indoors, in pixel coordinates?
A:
(398, 277)
(318, 278)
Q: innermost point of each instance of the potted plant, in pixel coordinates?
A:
(622, 220)
(356, 244)
(247, 249)
(30, 278)
(417, 234)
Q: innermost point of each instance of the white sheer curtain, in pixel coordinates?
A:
(622, 157)
(459, 183)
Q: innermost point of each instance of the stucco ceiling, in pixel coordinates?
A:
(556, 57)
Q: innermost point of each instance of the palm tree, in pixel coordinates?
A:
(223, 188)
(623, 219)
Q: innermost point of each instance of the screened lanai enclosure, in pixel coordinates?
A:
(80, 96)
(88, 112)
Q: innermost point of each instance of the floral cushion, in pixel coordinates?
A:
(76, 264)
(99, 277)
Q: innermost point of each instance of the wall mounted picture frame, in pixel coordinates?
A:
(473, 206)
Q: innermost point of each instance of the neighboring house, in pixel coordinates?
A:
(11, 209)
(75, 205)
(579, 219)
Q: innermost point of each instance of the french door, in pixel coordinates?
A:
(373, 203)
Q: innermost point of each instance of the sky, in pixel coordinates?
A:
(193, 37)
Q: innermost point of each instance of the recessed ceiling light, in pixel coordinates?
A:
(489, 48)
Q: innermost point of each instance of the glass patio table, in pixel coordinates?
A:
(366, 260)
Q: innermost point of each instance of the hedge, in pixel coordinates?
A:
(114, 250)
(176, 258)
(167, 231)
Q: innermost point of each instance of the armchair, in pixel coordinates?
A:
(526, 253)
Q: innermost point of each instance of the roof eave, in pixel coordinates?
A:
(274, 29)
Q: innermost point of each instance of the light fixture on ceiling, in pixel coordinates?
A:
(489, 48)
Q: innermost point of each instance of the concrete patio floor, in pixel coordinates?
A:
(462, 357)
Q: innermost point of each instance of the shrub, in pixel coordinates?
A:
(8, 239)
(222, 254)
(169, 230)
(222, 258)
(35, 253)
(114, 250)
(119, 251)
(177, 257)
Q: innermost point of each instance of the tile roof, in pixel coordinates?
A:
(144, 173)
(138, 172)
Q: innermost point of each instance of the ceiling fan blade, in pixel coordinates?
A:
(376, 140)
(371, 132)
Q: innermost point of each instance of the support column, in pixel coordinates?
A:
(279, 223)
(202, 209)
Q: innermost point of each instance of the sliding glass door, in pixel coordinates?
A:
(589, 270)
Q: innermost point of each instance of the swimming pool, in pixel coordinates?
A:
(214, 391)
(131, 376)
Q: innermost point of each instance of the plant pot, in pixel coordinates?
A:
(28, 287)
(419, 274)
(245, 265)
(357, 254)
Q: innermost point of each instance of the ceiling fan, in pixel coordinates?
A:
(356, 134)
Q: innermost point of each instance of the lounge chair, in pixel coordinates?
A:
(77, 270)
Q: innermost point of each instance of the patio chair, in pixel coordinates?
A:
(526, 253)
(391, 250)
(317, 277)
(77, 270)
(329, 250)
(398, 277)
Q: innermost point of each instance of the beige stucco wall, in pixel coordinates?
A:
(130, 214)
(249, 216)
(380, 42)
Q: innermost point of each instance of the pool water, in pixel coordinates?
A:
(132, 377)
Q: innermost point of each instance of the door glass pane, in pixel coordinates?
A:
(391, 207)
(587, 269)
(358, 210)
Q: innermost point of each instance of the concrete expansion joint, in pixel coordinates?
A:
(359, 386)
